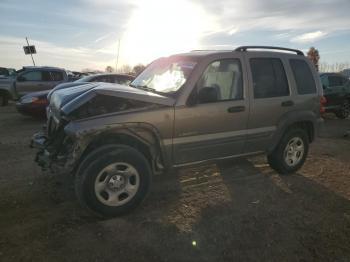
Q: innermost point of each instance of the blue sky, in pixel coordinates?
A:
(84, 34)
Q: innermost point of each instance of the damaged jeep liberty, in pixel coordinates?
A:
(181, 110)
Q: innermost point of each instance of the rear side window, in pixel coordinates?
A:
(269, 78)
(303, 77)
(56, 76)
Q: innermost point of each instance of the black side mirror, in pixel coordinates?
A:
(208, 94)
(21, 79)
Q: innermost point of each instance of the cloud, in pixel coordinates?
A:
(325, 15)
(309, 37)
(53, 55)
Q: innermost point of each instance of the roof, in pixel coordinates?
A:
(43, 67)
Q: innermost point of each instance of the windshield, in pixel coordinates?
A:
(84, 79)
(165, 75)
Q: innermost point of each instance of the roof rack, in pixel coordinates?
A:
(245, 48)
(210, 50)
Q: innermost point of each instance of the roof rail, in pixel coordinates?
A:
(245, 48)
(210, 50)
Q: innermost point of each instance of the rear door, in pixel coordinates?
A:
(270, 98)
(56, 77)
(215, 129)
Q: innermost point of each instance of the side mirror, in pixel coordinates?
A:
(21, 79)
(208, 94)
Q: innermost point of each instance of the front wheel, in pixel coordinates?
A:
(113, 180)
(344, 111)
(291, 152)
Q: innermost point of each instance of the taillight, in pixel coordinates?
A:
(323, 101)
(41, 101)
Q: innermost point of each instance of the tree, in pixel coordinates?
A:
(125, 69)
(109, 69)
(138, 69)
(314, 56)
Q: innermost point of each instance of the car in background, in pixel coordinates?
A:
(30, 79)
(336, 89)
(34, 104)
(7, 72)
(346, 72)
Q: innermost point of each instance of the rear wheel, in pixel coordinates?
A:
(344, 111)
(291, 152)
(114, 181)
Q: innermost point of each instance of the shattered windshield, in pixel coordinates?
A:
(165, 75)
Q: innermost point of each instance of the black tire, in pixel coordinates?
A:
(95, 162)
(344, 111)
(277, 159)
(3, 99)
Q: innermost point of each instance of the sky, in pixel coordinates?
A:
(78, 34)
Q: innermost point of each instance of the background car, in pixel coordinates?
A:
(336, 89)
(7, 72)
(30, 79)
(34, 104)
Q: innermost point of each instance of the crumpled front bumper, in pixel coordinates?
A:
(43, 156)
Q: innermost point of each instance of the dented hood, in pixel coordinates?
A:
(67, 100)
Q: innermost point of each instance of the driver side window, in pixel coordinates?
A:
(32, 76)
(221, 81)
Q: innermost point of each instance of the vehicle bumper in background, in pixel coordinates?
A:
(31, 110)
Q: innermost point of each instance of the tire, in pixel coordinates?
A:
(113, 180)
(3, 99)
(344, 111)
(291, 152)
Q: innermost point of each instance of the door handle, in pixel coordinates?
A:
(236, 109)
(287, 103)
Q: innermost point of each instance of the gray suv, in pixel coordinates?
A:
(30, 79)
(181, 110)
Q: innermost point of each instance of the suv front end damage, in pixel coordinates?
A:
(77, 117)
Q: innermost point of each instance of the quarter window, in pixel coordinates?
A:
(269, 78)
(225, 76)
(303, 77)
(56, 76)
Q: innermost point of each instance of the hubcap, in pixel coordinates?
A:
(294, 151)
(117, 184)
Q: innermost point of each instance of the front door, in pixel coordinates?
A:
(32, 81)
(215, 126)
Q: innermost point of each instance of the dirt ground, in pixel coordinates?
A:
(233, 211)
